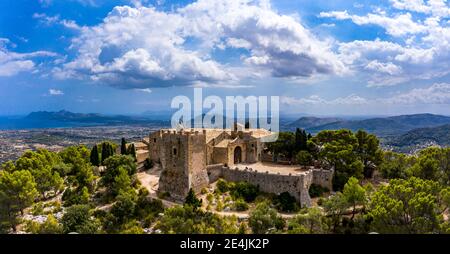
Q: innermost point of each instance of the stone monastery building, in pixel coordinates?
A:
(194, 158)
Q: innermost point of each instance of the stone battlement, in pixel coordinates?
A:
(296, 184)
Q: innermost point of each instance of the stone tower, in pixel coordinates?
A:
(183, 162)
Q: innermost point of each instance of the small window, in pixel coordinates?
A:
(154, 140)
(253, 145)
(174, 151)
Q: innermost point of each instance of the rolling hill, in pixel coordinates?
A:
(381, 126)
(421, 137)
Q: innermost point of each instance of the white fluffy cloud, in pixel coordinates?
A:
(420, 48)
(12, 63)
(438, 93)
(317, 100)
(55, 92)
(399, 25)
(137, 47)
(437, 8)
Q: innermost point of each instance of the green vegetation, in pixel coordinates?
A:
(123, 147)
(317, 190)
(308, 221)
(265, 219)
(108, 149)
(17, 192)
(409, 206)
(192, 200)
(240, 205)
(50, 226)
(239, 190)
(412, 197)
(95, 157)
(286, 203)
(132, 151)
(304, 158)
(41, 175)
(78, 219)
(187, 220)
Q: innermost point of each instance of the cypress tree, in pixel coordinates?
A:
(111, 149)
(132, 151)
(105, 151)
(123, 147)
(304, 140)
(94, 156)
(300, 140)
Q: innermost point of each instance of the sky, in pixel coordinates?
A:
(320, 57)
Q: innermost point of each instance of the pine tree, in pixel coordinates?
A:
(95, 156)
(123, 147)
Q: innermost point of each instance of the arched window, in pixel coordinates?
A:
(174, 151)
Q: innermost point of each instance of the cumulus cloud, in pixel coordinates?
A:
(437, 8)
(388, 68)
(141, 47)
(315, 100)
(399, 25)
(144, 90)
(438, 93)
(420, 48)
(51, 20)
(12, 63)
(55, 92)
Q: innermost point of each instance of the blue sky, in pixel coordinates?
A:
(321, 57)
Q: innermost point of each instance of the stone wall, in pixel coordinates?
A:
(323, 177)
(214, 172)
(296, 185)
(220, 155)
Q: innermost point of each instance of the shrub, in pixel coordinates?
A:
(75, 197)
(78, 219)
(304, 158)
(286, 203)
(265, 219)
(240, 205)
(148, 163)
(222, 186)
(163, 195)
(244, 190)
(192, 200)
(38, 209)
(317, 190)
(219, 206)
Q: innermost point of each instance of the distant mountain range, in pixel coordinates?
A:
(405, 133)
(67, 116)
(381, 126)
(63, 118)
(418, 138)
